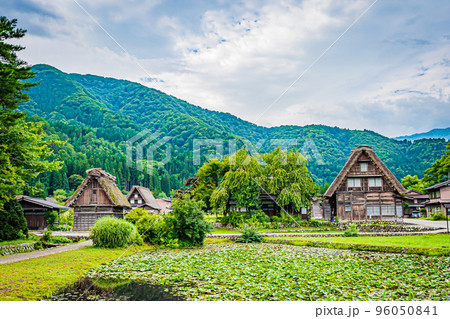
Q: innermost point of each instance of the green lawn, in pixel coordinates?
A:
(282, 272)
(416, 241)
(36, 278)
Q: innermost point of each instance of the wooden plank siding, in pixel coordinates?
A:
(365, 189)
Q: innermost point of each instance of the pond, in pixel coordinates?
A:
(86, 289)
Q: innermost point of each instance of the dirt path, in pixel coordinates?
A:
(44, 252)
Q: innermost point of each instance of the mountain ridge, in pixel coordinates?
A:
(434, 133)
(112, 111)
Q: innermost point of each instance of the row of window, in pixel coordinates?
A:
(139, 201)
(356, 182)
(374, 210)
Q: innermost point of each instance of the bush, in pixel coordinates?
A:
(153, 229)
(66, 218)
(438, 215)
(61, 240)
(185, 222)
(13, 224)
(235, 219)
(135, 214)
(47, 236)
(250, 234)
(110, 232)
(51, 217)
(351, 231)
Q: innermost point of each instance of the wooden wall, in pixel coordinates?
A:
(88, 195)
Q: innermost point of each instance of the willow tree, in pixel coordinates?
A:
(209, 175)
(239, 184)
(285, 173)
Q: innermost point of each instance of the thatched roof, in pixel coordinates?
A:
(146, 195)
(353, 158)
(108, 184)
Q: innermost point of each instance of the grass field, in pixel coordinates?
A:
(417, 241)
(282, 272)
(36, 278)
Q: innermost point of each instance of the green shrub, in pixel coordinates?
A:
(438, 215)
(66, 218)
(13, 224)
(351, 231)
(258, 216)
(250, 234)
(61, 240)
(47, 237)
(234, 219)
(51, 218)
(153, 229)
(110, 232)
(135, 214)
(185, 222)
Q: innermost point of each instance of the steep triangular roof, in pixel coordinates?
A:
(108, 184)
(146, 195)
(353, 158)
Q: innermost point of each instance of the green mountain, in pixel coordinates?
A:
(435, 133)
(97, 115)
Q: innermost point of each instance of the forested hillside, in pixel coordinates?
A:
(97, 115)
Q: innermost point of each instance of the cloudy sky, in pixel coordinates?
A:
(361, 64)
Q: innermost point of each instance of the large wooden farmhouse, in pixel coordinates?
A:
(365, 189)
(142, 197)
(97, 196)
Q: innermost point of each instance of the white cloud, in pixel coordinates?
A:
(239, 57)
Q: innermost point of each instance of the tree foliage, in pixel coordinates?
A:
(440, 170)
(13, 224)
(186, 223)
(24, 148)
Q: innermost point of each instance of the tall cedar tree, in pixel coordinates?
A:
(22, 148)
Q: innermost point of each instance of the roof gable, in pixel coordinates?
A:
(353, 159)
(436, 186)
(107, 182)
(146, 195)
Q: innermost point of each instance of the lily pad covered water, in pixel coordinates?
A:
(278, 272)
(111, 290)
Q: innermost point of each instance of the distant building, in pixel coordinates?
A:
(142, 197)
(97, 196)
(439, 197)
(165, 204)
(34, 210)
(365, 189)
(416, 201)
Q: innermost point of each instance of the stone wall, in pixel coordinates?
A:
(16, 249)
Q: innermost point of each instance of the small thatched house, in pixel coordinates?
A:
(97, 196)
(142, 197)
(365, 189)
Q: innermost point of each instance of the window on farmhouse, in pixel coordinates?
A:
(348, 208)
(93, 199)
(354, 182)
(363, 167)
(373, 210)
(375, 182)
